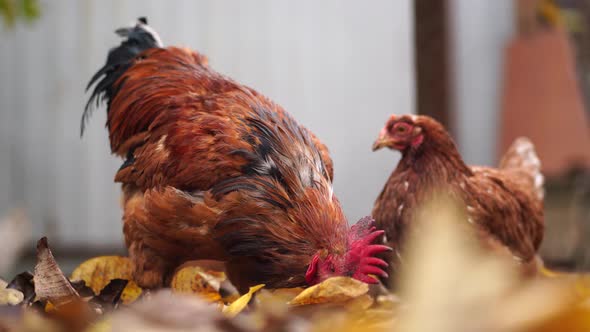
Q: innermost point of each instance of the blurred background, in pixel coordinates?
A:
(489, 70)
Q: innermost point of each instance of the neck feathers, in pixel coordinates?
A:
(436, 160)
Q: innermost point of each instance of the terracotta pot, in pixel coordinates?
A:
(542, 100)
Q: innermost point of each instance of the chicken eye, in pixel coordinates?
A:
(401, 129)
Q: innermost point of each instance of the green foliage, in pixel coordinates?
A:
(13, 10)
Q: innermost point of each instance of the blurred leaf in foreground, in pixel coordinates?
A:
(168, 311)
(99, 271)
(450, 284)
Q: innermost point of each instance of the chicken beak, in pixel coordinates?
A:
(382, 141)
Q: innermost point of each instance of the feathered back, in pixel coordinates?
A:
(521, 157)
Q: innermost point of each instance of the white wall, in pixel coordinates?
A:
(341, 67)
(480, 31)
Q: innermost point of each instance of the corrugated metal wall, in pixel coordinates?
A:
(339, 66)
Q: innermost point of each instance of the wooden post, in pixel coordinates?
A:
(431, 41)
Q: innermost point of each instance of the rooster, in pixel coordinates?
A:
(504, 205)
(214, 170)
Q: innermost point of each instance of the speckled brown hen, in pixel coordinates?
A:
(214, 170)
(505, 204)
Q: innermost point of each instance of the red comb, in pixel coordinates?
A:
(361, 251)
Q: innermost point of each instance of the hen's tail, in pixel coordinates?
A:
(521, 156)
(138, 38)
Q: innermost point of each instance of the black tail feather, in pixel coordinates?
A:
(138, 39)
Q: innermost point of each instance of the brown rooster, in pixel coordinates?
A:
(504, 204)
(214, 170)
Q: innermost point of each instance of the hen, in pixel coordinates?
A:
(214, 170)
(505, 204)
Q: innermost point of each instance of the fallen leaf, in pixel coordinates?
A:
(165, 310)
(111, 294)
(449, 283)
(332, 290)
(83, 290)
(99, 271)
(23, 282)
(197, 280)
(9, 296)
(274, 302)
(360, 303)
(74, 315)
(281, 294)
(545, 272)
(50, 282)
(240, 304)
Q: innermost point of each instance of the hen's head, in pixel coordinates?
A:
(407, 132)
(357, 261)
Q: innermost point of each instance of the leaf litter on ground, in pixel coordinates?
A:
(448, 283)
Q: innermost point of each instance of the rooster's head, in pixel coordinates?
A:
(357, 261)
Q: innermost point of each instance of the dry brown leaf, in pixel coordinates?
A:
(197, 280)
(240, 304)
(75, 315)
(332, 290)
(50, 282)
(99, 271)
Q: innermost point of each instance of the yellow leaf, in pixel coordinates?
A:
(99, 271)
(197, 280)
(283, 295)
(240, 304)
(10, 296)
(545, 272)
(333, 290)
(49, 307)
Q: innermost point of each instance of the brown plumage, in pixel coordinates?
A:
(505, 204)
(214, 170)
